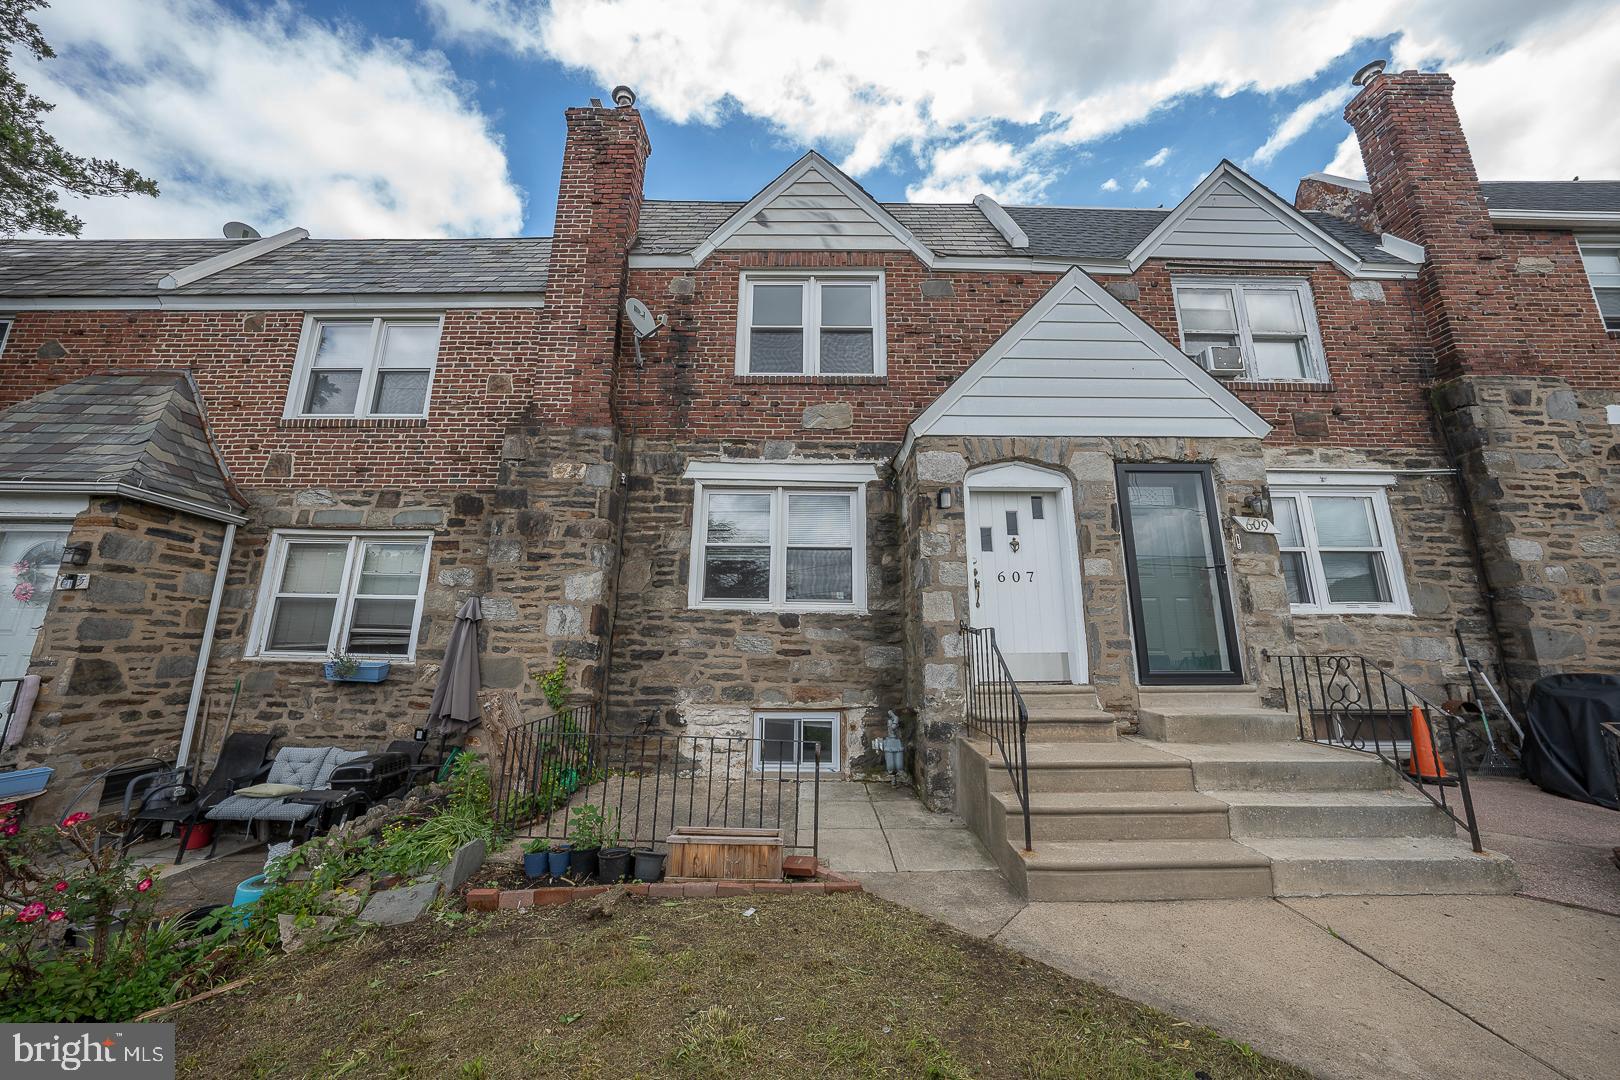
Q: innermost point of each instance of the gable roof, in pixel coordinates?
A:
(139, 434)
(1080, 363)
(1579, 196)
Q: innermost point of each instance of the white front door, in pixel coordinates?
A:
(30, 556)
(1020, 581)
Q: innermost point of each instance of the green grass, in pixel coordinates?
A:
(839, 986)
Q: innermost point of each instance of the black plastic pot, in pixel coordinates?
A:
(649, 865)
(612, 863)
(582, 863)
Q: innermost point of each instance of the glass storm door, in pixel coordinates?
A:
(1181, 609)
(30, 555)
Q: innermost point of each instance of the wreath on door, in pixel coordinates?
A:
(35, 573)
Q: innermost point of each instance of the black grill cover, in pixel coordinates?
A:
(1563, 748)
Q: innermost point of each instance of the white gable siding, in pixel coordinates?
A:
(1073, 367)
(1231, 224)
(812, 214)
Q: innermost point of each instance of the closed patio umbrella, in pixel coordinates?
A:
(455, 698)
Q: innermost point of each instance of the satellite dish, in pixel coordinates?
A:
(237, 230)
(641, 319)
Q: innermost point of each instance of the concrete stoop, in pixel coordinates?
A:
(1225, 803)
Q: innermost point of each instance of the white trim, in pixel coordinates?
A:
(6, 323)
(1246, 417)
(1400, 602)
(235, 257)
(810, 318)
(1003, 222)
(304, 366)
(1022, 477)
(1236, 286)
(126, 491)
(1581, 244)
(783, 472)
(1403, 249)
(1556, 219)
(1341, 477)
(758, 765)
(810, 162)
(334, 301)
(986, 264)
(42, 507)
(777, 588)
(269, 588)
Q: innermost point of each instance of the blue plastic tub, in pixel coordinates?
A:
(248, 894)
(369, 671)
(19, 782)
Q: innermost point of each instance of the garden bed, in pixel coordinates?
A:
(826, 881)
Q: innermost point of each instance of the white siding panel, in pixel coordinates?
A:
(1124, 426)
(867, 227)
(774, 242)
(1166, 382)
(1229, 224)
(1080, 350)
(813, 215)
(1177, 408)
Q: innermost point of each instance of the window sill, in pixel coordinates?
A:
(311, 658)
(1296, 610)
(814, 380)
(1291, 386)
(786, 609)
(352, 422)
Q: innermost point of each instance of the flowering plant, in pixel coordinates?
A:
(34, 579)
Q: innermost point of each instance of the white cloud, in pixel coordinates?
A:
(1159, 157)
(1347, 160)
(871, 81)
(272, 118)
(1304, 117)
(1110, 184)
(1141, 184)
(981, 165)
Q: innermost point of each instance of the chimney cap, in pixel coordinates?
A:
(1368, 73)
(623, 96)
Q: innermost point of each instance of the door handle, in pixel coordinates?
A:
(1013, 543)
(975, 586)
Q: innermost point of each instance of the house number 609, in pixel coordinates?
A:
(1017, 575)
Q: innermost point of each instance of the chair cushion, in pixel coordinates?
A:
(269, 791)
(298, 765)
(242, 808)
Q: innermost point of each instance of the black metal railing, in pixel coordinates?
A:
(996, 710)
(647, 785)
(1349, 701)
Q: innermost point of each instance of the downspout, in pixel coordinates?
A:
(206, 649)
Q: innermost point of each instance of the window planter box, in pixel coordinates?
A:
(369, 671)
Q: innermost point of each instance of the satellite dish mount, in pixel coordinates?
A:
(642, 324)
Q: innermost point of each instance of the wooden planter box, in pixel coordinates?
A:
(697, 854)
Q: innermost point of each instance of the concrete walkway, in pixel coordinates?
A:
(1465, 987)
(1564, 849)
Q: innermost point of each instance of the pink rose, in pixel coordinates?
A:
(60, 886)
(10, 828)
(145, 884)
(56, 916)
(75, 819)
(31, 913)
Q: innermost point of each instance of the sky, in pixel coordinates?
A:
(445, 117)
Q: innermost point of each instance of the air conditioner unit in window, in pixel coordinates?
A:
(1222, 361)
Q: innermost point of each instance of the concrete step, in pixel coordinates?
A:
(1219, 725)
(1124, 815)
(1390, 866)
(1093, 767)
(1145, 870)
(1184, 699)
(1085, 727)
(1333, 813)
(1280, 766)
(1082, 696)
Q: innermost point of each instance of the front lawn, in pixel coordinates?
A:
(842, 985)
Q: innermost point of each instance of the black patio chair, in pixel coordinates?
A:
(167, 796)
(415, 750)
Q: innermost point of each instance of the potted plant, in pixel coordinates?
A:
(536, 857)
(649, 865)
(613, 861)
(557, 858)
(586, 837)
(340, 667)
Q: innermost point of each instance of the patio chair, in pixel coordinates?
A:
(167, 796)
(415, 750)
(309, 768)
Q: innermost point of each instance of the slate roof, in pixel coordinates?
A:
(144, 430)
(134, 267)
(1577, 196)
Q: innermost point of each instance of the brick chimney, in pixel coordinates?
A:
(1425, 189)
(598, 211)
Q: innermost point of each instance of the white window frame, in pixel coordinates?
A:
(1601, 281)
(5, 331)
(269, 589)
(833, 765)
(778, 490)
(810, 317)
(303, 368)
(1316, 359)
(1394, 569)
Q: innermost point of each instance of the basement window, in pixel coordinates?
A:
(378, 368)
(1272, 320)
(1338, 551)
(326, 593)
(827, 324)
(793, 741)
(1603, 271)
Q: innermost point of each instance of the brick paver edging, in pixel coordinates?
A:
(515, 899)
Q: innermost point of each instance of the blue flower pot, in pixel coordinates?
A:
(557, 860)
(535, 863)
(368, 671)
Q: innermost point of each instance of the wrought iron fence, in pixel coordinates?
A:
(996, 709)
(1348, 701)
(647, 785)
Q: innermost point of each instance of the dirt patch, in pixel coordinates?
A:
(841, 985)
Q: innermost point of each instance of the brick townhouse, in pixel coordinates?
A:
(1151, 448)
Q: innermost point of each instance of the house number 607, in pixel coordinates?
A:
(1017, 575)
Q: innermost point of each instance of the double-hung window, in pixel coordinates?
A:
(376, 367)
(1338, 550)
(329, 593)
(796, 741)
(5, 332)
(825, 324)
(1272, 321)
(1603, 271)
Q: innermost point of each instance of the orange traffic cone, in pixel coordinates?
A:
(1424, 764)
